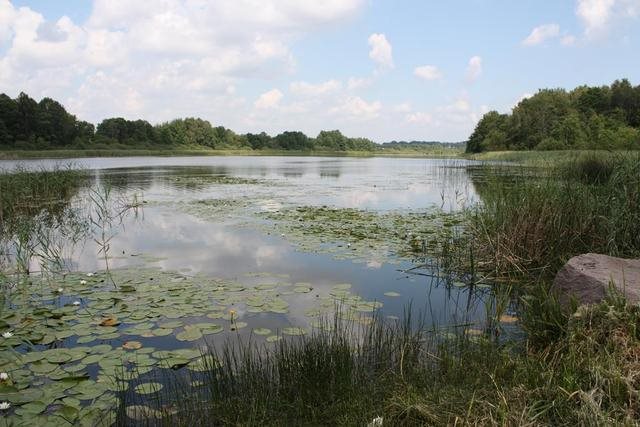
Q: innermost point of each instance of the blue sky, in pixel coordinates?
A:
(381, 69)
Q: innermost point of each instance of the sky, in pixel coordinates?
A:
(381, 69)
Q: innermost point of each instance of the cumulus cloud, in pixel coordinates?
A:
(419, 117)
(135, 56)
(474, 68)
(427, 72)
(381, 50)
(309, 89)
(355, 83)
(357, 108)
(595, 14)
(268, 99)
(404, 107)
(541, 34)
(598, 15)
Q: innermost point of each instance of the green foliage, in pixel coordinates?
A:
(28, 125)
(606, 117)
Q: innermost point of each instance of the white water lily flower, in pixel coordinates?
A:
(4, 376)
(376, 422)
(76, 303)
(4, 406)
(83, 282)
(60, 290)
(89, 274)
(7, 335)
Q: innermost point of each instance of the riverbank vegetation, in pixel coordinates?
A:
(594, 118)
(46, 127)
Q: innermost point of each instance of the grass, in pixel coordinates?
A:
(193, 151)
(412, 376)
(583, 204)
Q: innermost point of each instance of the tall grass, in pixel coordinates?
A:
(586, 204)
(413, 376)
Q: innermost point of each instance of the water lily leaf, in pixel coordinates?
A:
(237, 325)
(171, 325)
(161, 332)
(262, 331)
(148, 388)
(92, 358)
(293, 331)
(273, 338)
(142, 413)
(189, 334)
(132, 345)
(391, 294)
(42, 367)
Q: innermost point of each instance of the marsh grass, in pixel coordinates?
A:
(531, 226)
(36, 214)
(413, 376)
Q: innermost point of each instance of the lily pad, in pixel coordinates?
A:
(148, 388)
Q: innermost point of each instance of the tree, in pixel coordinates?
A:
(259, 141)
(331, 140)
(27, 117)
(490, 122)
(293, 141)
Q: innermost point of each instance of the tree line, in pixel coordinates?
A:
(27, 124)
(605, 117)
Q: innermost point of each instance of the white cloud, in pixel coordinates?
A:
(139, 55)
(474, 68)
(427, 72)
(381, 51)
(598, 16)
(595, 14)
(268, 99)
(7, 18)
(357, 108)
(568, 40)
(355, 83)
(542, 33)
(405, 107)
(419, 118)
(309, 89)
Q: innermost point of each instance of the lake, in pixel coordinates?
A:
(207, 248)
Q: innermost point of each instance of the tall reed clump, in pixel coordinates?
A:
(34, 203)
(586, 204)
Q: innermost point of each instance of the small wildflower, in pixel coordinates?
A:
(4, 376)
(76, 303)
(60, 290)
(377, 422)
(7, 335)
(83, 282)
(4, 406)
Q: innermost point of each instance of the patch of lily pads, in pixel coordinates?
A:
(363, 235)
(69, 343)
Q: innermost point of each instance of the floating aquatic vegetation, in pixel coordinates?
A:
(59, 355)
(364, 235)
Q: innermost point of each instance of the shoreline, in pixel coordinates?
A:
(62, 154)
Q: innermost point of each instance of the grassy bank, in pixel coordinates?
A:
(61, 154)
(570, 369)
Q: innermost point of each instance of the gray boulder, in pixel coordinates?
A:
(589, 277)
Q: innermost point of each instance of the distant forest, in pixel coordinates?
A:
(27, 124)
(605, 117)
(418, 145)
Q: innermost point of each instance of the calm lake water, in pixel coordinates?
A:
(227, 246)
(200, 260)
